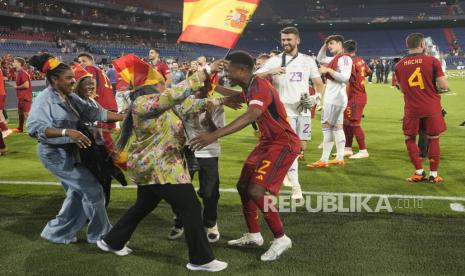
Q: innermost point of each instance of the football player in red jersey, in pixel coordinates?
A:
(267, 165)
(421, 79)
(160, 66)
(3, 125)
(357, 99)
(23, 92)
(105, 97)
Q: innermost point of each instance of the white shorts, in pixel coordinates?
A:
(332, 114)
(302, 125)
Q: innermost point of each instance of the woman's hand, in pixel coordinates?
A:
(201, 75)
(217, 66)
(80, 139)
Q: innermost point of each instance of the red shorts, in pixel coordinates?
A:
(432, 125)
(354, 112)
(24, 105)
(267, 165)
(2, 101)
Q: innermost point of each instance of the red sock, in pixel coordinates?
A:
(108, 140)
(434, 154)
(250, 211)
(21, 122)
(2, 144)
(414, 153)
(360, 136)
(3, 126)
(271, 215)
(349, 135)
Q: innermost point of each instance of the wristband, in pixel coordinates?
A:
(63, 132)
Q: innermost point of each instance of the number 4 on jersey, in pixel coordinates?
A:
(416, 79)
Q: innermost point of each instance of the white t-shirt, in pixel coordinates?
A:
(335, 90)
(295, 81)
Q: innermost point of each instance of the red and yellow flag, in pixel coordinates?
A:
(136, 72)
(216, 22)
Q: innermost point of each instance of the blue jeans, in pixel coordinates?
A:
(84, 200)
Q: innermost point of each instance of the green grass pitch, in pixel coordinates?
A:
(424, 239)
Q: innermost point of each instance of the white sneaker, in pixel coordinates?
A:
(278, 246)
(347, 153)
(105, 247)
(7, 133)
(213, 235)
(297, 193)
(360, 155)
(286, 182)
(213, 266)
(175, 233)
(249, 239)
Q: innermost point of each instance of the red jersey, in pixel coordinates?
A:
(162, 68)
(2, 84)
(417, 75)
(105, 95)
(273, 124)
(333, 64)
(22, 77)
(356, 88)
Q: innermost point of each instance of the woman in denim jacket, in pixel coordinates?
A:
(53, 121)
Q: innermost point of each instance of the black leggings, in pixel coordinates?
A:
(209, 191)
(180, 196)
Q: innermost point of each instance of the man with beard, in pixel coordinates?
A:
(160, 66)
(291, 72)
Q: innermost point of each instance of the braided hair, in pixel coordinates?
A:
(38, 61)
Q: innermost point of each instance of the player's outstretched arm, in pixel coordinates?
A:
(226, 91)
(204, 139)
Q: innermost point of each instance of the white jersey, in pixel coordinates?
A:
(335, 90)
(295, 81)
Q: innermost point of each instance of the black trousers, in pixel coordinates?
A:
(370, 77)
(209, 191)
(386, 76)
(180, 196)
(379, 77)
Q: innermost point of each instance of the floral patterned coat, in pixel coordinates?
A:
(155, 156)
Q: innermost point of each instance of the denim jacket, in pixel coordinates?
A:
(49, 110)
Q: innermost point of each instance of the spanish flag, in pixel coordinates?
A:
(136, 72)
(216, 22)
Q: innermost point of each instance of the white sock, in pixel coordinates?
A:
(340, 141)
(293, 174)
(419, 172)
(363, 151)
(433, 173)
(328, 141)
(347, 149)
(256, 235)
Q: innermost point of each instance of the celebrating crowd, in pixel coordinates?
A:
(171, 121)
